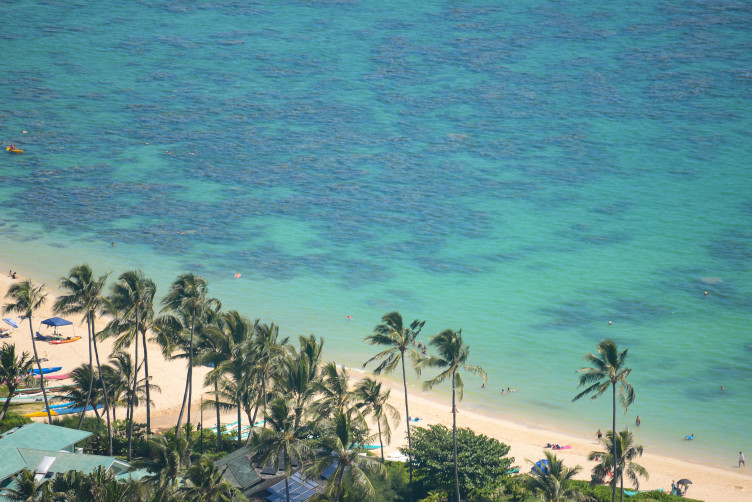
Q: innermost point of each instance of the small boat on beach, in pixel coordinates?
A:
(70, 339)
(38, 390)
(45, 371)
(57, 410)
(24, 399)
(55, 377)
(13, 150)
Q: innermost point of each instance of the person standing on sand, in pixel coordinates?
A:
(741, 460)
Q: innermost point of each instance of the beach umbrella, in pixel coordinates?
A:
(10, 322)
(56, 321)
(684, 481)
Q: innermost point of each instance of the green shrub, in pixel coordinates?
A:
(12, 420)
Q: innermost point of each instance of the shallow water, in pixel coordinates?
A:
(525, 172)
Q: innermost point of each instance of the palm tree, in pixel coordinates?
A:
(28, 489)
(452, 359)
(266, 349)
(204, 483)
(342, 444)
(376, 403)
(626, 452)
(13, 371)
(85, 297)
(282, 444)
(78, 393)
(398, 339)
(334, 390)
(25, 299)
(167, 456)
(121, 376)
(607, 368)
(189, 292)
(299, 374)
(132, 301)
(551, 482)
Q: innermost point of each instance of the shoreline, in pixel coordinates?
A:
(711, 482)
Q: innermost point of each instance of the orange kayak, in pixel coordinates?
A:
(13, 150)
(65, 340)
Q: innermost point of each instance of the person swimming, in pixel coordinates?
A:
(690, 437)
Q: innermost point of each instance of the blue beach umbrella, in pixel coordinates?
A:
(56, 321)
(10, 322)
(541, 466)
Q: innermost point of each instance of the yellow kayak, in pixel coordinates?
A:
(13, 150)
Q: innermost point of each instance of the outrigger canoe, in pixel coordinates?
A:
(24, 399)
(65, 340)
(13, 150)
(55, 377)
(62, 410)
(45, 371)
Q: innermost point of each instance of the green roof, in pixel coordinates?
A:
(66, 461)
(42, 436)
(239, 471)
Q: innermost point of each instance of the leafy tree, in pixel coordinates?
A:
(397, 339)
(334, 390)
(452, 359)
(299, 374)
(626, 452)
(13, 371)
(25, 299)
(204, 483)
(266, 349)
(552, 482)
(28, 489)
(607, 369)
(167, 455)
(375, 402)
(483, 461)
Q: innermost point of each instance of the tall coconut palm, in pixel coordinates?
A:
(551, 482)
(397, 339)
(132, 301)
(78, 393)
(375, 402)
(13, 371)
(607, 369)
(25, 298)
(281, 444)
(341, 444)
(626, 452)
(298, 376)
(86, 297)
(189, 292)
(452, 359)
(266, 349)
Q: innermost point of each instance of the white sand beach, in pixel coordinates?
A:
(710, 483)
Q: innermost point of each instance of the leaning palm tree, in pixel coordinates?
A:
(551, 482)
(189, 292)
(13, 371)
(375, 402)
(25, 299)
(626, 452)
(397, 339)
(452, 359)
(341, 444)
(85, 297)
(132, 301)
(607, 369)
(281, 444)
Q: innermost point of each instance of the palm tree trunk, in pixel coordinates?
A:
(263, 384)
(339, 483)
(621, 485)
(148, 384)
(613, 439)
(287, 488)
(133, 394)
(5, 406)
(41, 376)
(378, 422)
(407, 417)
(454, 440)
(190, 372)
(240, 425)
(91, 378)
(104, 385)
(182, 408)
(216, 405)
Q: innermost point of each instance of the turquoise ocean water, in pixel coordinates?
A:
(526, 171)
